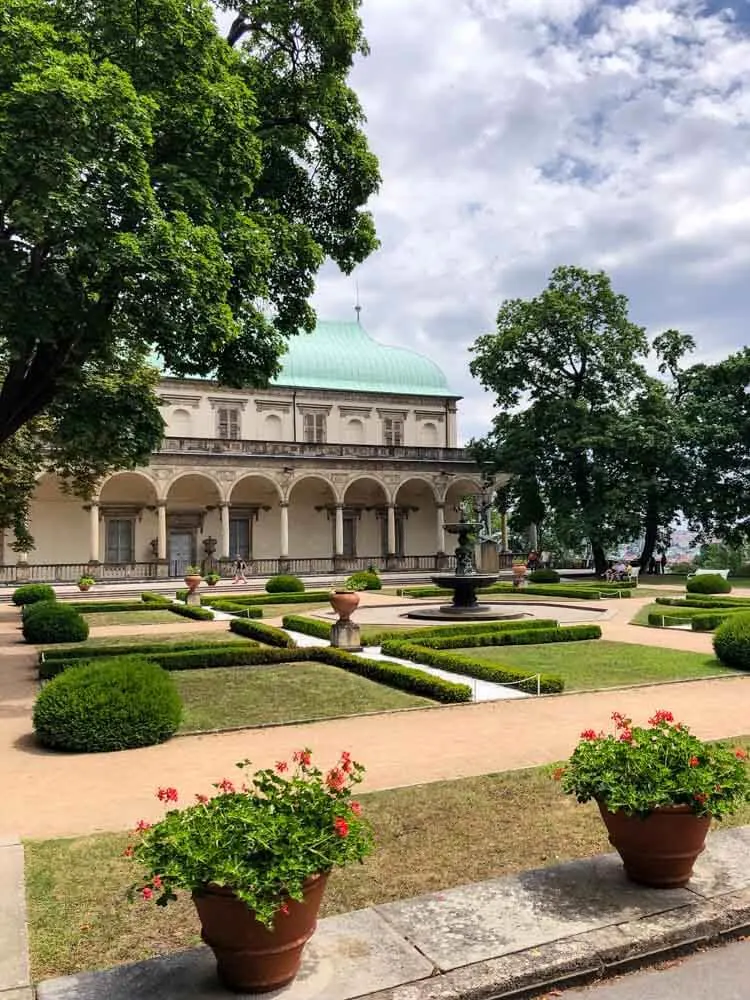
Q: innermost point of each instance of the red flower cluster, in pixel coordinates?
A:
(660, 715)
(142, 826)
(302, 757)
(620, 721)
(167, 795)
(341, 827)
(281, 766)
(128, 852)
(700, 798)
(156, 882)
(147, 893)
(336, 779)
(693, 762)
(589, 734)
(202, 799)
(356, 808)
(346, 762)
(284, 909)
(740, 754)
(626, 735)
(226, 786)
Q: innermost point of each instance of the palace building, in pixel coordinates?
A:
(349, 457)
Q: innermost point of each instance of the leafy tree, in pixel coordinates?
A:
(567, 368)
(162, 188)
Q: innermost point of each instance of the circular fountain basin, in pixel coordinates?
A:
(465, 606)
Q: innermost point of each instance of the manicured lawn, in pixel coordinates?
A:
(279, 610)
(179, 635)
(429, 837)
(290, 692)
(131, 618)
(600, 664)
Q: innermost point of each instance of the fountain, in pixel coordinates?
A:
(464, 583)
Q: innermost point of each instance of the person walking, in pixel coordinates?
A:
(663, 562)
(240, 568)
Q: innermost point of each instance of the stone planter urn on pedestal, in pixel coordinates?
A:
(345, 632)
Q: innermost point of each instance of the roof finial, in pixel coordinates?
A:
(358, 307)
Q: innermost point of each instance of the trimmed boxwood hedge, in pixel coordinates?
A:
(109, 705)
(548, 683)
(705, 602)
(322, 630)
(308, 626)
(55, 622)
(284, 583)
(539, 590)
(51, 666)
(711, 621)
(232, 608)
(30, 593)
(150, 597)
(544, 576)
(268, 634)
(732, 642)
(708, 583)
(511, 637)
(106, 607)
(191, 611)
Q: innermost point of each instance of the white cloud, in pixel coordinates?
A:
(518, 134)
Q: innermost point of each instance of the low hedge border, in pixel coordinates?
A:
(259, 599)
(658, 620)
(149, 597)
(705, 602)
(268, 634)
(220, 655)
(511, 637)
(709, 622)
(106, 607)
(393, 675)
(322, 630)
(191, 611)
(87, 652)
(231, 608)
(699, 619)
(548, 683)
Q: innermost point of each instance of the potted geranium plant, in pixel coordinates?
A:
(193, 578)
(212, 579)
(256, 859)
(657, 789)
(86, 582)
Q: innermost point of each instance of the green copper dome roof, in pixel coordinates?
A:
(344, 356)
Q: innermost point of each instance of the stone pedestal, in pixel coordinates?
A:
(23, 573)
(489, 561)
(345, 635)
(193, 598)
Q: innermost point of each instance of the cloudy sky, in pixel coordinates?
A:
(515, 135)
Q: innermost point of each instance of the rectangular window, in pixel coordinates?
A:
(240, 538)
(393, 432)
(314, 428)
(228, 423)
(119, 540)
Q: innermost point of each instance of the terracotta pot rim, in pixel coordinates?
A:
(211, 888)
(678, 808)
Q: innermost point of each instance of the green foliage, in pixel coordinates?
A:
(692, 601)
(192, 611)
(708, 584)
(107, 607)
(284, 584)
(232, 608)
(732, 642)
(86, 581)
(394, 675)
(544, 576)
(322, 630)
(548, 684)
(263, 843)
(365, 580)
(261, 600)
(121, 234)
(30, 593)
(55, 622)
(682, 568)
(212, 578)
(637, 770)
(307, 626)
(267, 634)
(108, 705)
(709, 622)
(170, 656)
(512, 637)
(149, 597)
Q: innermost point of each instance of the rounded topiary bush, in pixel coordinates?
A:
(365, 580)
(30, 593)
(55, 623)
(284, 584)
(544, 576)
(29, 610)
(709, 583)
(732, 641)
(109, 704)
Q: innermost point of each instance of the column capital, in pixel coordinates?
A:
(162, 504)
(283, 503)
(224, 503)
(440, 505)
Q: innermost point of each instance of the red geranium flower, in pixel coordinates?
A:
(346, 761)
(226, 786)
(142, 826)
(167, 795)
(740, 754)
(128, 852)
(281, 766)
(356, 808)
(700, 798)
(336, 779)
(156, 882)
(284, 909)
(147, 893)
(302, 757)
(341, 827)
(661, 715)
(589, 734)
(626, 736)
(203, 799)
(693, 762)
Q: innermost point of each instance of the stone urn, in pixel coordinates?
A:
(192, 582)
(519, 574)
(344, 602)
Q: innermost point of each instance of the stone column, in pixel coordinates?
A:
(284, 531)
(224, 552)
(161, 530)
(338, 548)
(94, 532)
(440, 524)
(391, 511)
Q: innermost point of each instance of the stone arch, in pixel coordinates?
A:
(312, 516)
(366, 499)
(188, 479)
(193, 520)
(265, 482)
(416, 516)
(421, 481)
(354, 488)
(460, 487)
(123, 487)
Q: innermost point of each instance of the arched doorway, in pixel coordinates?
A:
(253, 530)
(128, 529)
(416, 518)
(312, 519)
(365, 521)
(193, 522)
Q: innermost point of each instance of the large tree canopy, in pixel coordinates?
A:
(164, 188)
(584, 430)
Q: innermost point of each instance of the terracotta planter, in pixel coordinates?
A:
(344, 602)
(250, 958)
(193, 582)
(84, 586)
(212, 583)
(659, 850)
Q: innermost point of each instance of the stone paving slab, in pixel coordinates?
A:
(14, 966)
(350, 956)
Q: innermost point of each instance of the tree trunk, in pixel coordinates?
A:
(652, 530)
(600, 557)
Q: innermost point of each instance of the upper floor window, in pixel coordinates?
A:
(393, 431)
(314, 427)
(228, 423)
